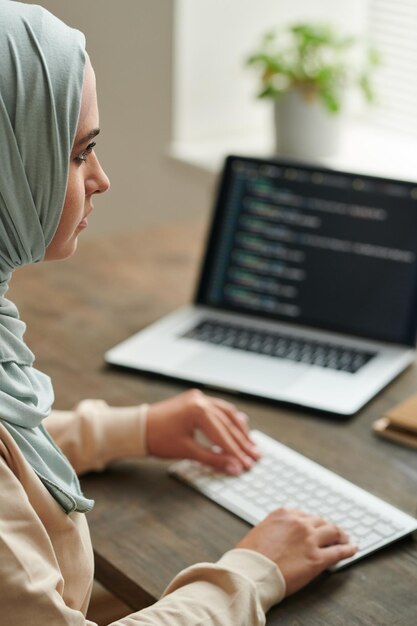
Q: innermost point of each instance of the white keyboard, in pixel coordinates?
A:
(283, 477)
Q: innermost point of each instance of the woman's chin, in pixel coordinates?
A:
(61, 252)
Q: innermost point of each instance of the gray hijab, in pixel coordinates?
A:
(41, 76)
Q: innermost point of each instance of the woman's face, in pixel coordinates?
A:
(86, 176)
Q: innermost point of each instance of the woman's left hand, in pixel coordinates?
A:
(172, 424)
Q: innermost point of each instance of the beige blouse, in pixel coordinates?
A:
(46, 558)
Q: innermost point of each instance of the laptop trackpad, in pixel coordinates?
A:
(241, 371)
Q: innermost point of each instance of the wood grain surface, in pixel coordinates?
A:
(146, 526)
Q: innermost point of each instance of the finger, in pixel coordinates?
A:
(329, 534)
(288, 511)
(240, 421)
(239, 418)
(240, 438)
(333, 554)
(219, 435)
(298, 512)
(219, 461)
(313, 520)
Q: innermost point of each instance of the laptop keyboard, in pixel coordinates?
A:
(285, 478)
(279, 345)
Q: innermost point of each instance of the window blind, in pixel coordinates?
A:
(393, 30)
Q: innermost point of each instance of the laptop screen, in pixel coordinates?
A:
(306, 245)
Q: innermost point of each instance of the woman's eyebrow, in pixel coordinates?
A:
(93, 133)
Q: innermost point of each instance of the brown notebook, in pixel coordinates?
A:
(400, 423)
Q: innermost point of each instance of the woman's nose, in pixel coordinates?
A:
(102, 180)
(97, 180)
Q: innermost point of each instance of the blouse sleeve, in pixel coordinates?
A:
(235, 591)
(94, 434)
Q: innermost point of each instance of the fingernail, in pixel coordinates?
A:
(234, 468)
(255, 450)
(241, 415)
(248, 462)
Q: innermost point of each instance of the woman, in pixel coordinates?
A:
(49, 174)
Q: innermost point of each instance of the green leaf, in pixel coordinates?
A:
(331, 100)
(365, 85)
(270, 92)
(267, 63)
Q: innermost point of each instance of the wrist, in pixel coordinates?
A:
(132, 420)
(143, 426)
(149, 434)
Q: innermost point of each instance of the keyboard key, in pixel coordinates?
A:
(361, 531)
(386, 530)
(349, 524)
(324, 509)
(369, 520)
(333, 499)
(344, 506)
(369, 540)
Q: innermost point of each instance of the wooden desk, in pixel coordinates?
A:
(146, 526)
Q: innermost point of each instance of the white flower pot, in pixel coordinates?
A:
(304, 128)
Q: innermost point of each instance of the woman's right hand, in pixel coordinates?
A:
(302, 545)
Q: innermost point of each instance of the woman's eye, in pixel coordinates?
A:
(84, 154)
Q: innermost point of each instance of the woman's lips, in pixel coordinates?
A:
(84, 222)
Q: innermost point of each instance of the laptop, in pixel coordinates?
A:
(307, 293)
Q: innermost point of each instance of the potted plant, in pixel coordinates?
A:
(306, 69)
